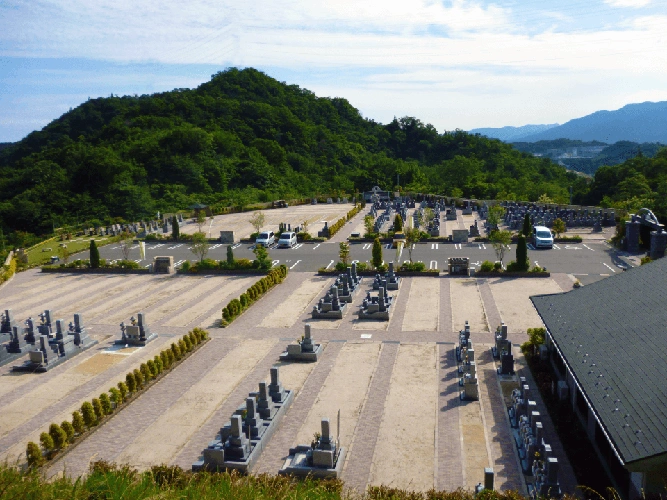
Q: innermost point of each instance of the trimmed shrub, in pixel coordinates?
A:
(97, 408)
(165, 359)
(182, 347)
(176, 350)
(522, 263)
(497, 266)
(152, 369)
(106, 403)
(157, 361)
(88, 414)
(77, 422)
(46, 441)
(187, 342)
(170, 358)
(145, 372)
(122, 387)
(69, 430)
(487, 266)
(34, 455)
(59, 436)
(131, 382)
(116, 397)
(138, 378)
(94, 255)
(193, 338)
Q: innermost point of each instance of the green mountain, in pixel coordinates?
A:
(238, 138)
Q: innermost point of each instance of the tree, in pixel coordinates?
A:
(344, 252)
(526, 226)
(138, 378)
(94, 255)
(398, 223)
(500, 240)
(230, 255)
(77, 422)
(559, 227)
(106, 403)
(123, 389)
(201, 219)
(175, 230)
(262, 260)
(34, 455)
(412, 237)
(377, 259)
(58, 435)
(130, 382)
(97, 408)
(496, 213)
(257, 221)
(199, 245)
(522, 254)
(64, 253)
(125, 245)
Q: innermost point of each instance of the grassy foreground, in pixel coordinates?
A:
(107, 481)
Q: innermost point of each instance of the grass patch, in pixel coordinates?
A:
(41, 254)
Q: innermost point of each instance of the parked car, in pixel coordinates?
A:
(542, 237)
(287, 239)
(266, 239)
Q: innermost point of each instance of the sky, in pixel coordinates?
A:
(456, 64)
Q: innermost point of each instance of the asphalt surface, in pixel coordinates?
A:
(588, 261)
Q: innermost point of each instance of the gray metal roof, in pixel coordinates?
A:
(613, 335)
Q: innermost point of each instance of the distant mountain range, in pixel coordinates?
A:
(642, 122)
(511, 134)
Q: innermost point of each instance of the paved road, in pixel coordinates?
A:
(587, 261)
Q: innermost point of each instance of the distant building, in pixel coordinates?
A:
(376, 191)
(608, 342)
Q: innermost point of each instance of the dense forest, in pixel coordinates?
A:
(245, 137)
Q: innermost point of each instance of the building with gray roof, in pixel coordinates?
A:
(606, 341)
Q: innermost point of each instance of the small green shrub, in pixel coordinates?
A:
(145, 372)
(77, 422)
(59, 436)
(487, 266)
(69, 430)
(131, 383)
(97, 408)
(138, 378)
(124, 390)
(34, 455)
(116, 397)
(187, 343)
(106, 404)
(46, 441)
(176, 350)
(88, 414)
(497, 266)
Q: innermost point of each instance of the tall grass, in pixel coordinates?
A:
(113, 482)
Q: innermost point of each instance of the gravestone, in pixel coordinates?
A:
(7, 322)
(137, 333)
(376, 307)
(458, 266)
(227, 237)
(305, 350)
(459, 235)
(330, 306)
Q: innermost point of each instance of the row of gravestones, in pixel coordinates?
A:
(584, 217)
(240, 442)
(48, 344)
(135, 228)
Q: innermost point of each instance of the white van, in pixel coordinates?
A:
(287, 240)
(265, 239)
(542, 237)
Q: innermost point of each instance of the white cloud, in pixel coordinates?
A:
(628, 3)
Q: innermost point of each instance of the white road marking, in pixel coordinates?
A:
(609, 267)
(434, 246)
(298, 245)
(316, 246)
(556, 247)
(137, 261)
(236, 246)
(175, 246)
(388, 246)
(569, 247)
(332, 263)
(589, 248)
(530, 247)
(367, 246)
(275, 263)
(483, 246)
(178, 264)
(293, 265)
(433, 265)
(134, 246)
(215, 246)
(536, 264)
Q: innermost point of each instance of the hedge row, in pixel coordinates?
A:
(252, 294)
(7, 272)
(336, 226)
(96, 411)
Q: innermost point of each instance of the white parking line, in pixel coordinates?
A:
(589, 248)
(530, 247)
(367, 246)
(275, 263)
(556, 247)
(134, 246)
(298, 245)
(388, 246)
(434, 246)
(294, 265)
(609, 267)
(332, 263)
(508, 247)
(457, 246)
(175, 246)
(215, 246)
(315, 247)
(236, 246)
(137, 261)
(536, 264)
(434, 264)
(178, 263)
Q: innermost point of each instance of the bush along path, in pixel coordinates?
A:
(236, 306)
(62, 437)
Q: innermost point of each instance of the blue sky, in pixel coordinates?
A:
(455, 64)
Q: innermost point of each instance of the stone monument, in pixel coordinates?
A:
(305, 350)
(137, 333)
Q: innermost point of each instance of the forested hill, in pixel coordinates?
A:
(243, 137)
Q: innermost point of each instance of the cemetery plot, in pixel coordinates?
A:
(467, 305)
(290, 311)
(423, 309)
(512, 299)
(344, 389)
(162, 441)
(316, 215)
(405, 451)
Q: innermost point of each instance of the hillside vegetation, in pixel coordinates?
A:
(238, 138)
